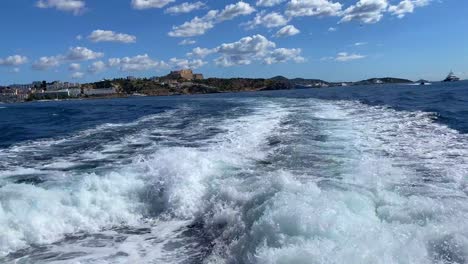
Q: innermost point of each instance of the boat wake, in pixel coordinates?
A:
(269, 181)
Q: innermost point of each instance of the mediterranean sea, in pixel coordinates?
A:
(361, 174)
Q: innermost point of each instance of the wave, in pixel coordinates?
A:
(286, 181)
(168, 183)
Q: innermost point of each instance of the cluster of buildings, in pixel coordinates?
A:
(41, 90)
(178, 79)
(175, 79)
(186, 75)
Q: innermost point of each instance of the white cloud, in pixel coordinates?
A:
(145, 4)
(186, 42)
(360, 44)
(283, 55)
(75, 6)
(269, 3)
(77, 75)
(74, 67)
(74, 54)
(244, 51)
(45, 63)
(254, 45)
(406, 6)
(13, 60)
(185, 7)
(298, 8)
(81, 54)
(97, 66)
(100, 35)
(332, 29)
(247, 50)
(136, 63)
(185, 63)
(145, 63)
(197, 26)
(270, 20)
(234, 10)
(79, 37)
(287, 31)
(344, 56)
(201, 52)
(365, 11)
(200, 25)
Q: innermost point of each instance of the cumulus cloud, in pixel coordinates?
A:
(81, 54)
(297, 8)
(186, 42)
(146, 63)
(247, 50)
(75, 6)
(185, 63)
(136, 63)
(97, 66)
(270, 20)
(201, 52)
(45, 63)
(406, 6)
(185, 7)
(332, 29)
(244, 51)
(344, 56)
(365, 11)
(283, 55)
(195, 27)
(74, 67)
(269, 3)
(77, 75)
(234, 10)
(73, 54)
(13, 60)
(100, 35)
(200, 25)
(287, 31)
(146, 4)
(256, 45)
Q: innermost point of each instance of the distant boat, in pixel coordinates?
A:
(451, 78)
(422, 82)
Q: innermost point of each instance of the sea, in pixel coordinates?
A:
(362, 174)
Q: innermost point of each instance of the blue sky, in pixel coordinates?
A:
(336, 40)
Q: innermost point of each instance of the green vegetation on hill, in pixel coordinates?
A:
(385, 80)
(219, 85)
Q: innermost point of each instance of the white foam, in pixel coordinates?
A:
(170, 183)
(371, 214)
(387, 191)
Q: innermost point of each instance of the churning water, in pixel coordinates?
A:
(339, 175)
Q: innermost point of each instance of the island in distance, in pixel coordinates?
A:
(175, 83)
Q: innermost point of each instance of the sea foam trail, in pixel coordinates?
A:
(168, 183)
(275, 181)
(370, 203)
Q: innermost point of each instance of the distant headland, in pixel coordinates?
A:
(180, 82)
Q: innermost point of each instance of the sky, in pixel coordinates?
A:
(335, 40)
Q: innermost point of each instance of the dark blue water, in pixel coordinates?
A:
(372, 174)
(19, 122)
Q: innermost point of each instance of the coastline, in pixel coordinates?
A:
(122, 88)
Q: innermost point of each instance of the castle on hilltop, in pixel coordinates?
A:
(185, 75)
